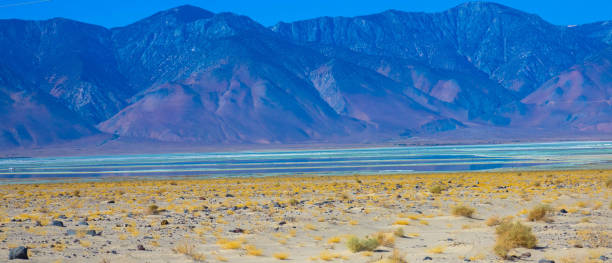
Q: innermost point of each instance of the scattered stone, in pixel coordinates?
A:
(164, 222)
(237, 230)
(563, 211)
(229, 195)
(62, 217)
(71, 232)
(282, 223)
(603, 258)
(92, 233)
(513, 257)
(141, 247)
(428, 258)
(57, 223)
(525, 255)
(111, 202)
(82, 223)
(18, 253)
(546, 261)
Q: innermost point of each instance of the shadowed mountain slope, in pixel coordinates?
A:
(187, 75)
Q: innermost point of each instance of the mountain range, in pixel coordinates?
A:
(190, 76)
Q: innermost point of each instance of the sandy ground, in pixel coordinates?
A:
(308, 219)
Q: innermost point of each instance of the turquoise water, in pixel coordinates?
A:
(393, 160)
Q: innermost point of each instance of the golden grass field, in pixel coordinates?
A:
(450, 217)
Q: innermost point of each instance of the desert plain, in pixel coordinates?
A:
(521, 216)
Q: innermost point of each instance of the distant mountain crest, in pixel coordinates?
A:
(187, 75)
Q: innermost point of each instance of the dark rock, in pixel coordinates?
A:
(229, 195)
(140, 247)
(20, 252)
(282, 223)
(111, 202)
(563, 211)
(92, 233)
(525, 255)
(237, 230)
(428, 258)
(546, 261)
(603, 258)
(82, 223)
(164, 222)
(57, 223)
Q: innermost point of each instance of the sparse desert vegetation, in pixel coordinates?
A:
(540, 213)
(513, 235)
(376, 218)
(462, 210)
(356, 244)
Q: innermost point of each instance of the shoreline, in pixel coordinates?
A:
(144, 178)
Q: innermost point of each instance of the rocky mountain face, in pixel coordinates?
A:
(187, 75)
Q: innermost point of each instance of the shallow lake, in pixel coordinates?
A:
(392, 160)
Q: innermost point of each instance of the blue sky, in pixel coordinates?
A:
(111, 13)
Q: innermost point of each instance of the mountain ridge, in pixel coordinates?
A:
(188, 75)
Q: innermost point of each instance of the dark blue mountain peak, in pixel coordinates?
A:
(189, 75)
(482, 5)
(185, 13)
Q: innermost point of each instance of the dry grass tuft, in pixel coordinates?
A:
(464, 211)
(328, 256)
(188, 249)
(281, 256)
(540, 213)
(436, 250)
(493, 221)
(252, 250)
(153, 210)
(396, 257)
(399, 232)
(333, 240)
(436, 189)
(513, 235)
(385, 239)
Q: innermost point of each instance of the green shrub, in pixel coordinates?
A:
(399, 232)
(436, 189)
(355, 244)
